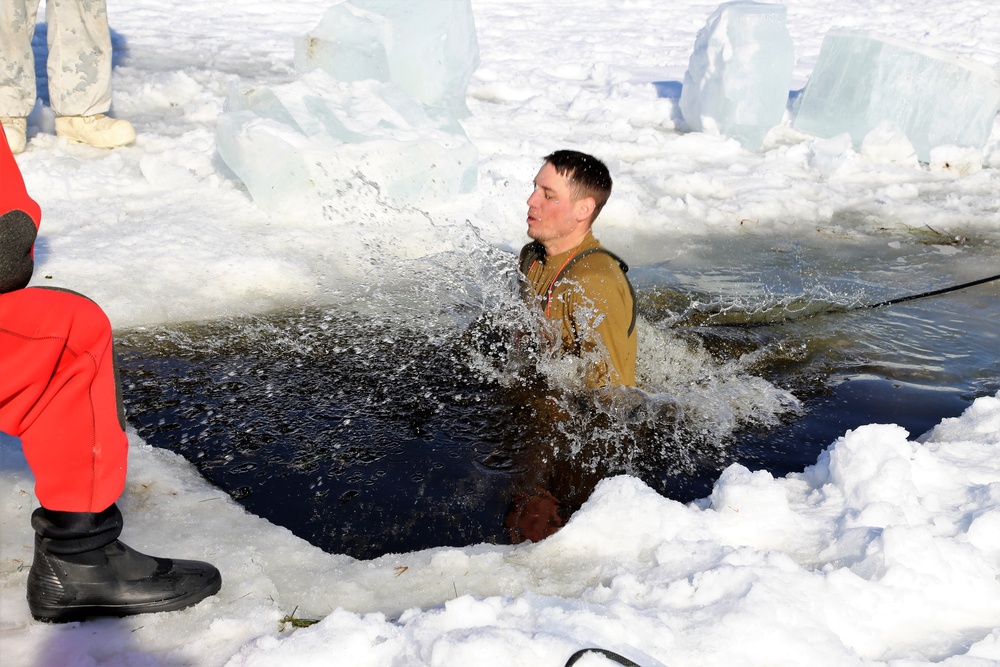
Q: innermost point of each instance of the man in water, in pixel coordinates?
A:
(589, 312)
(588, 302)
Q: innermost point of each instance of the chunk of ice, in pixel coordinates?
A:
(888, 143)
(935, 98)
(428, 48)
(739, 72)
(307, 142)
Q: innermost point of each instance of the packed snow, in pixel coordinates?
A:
(885, 552)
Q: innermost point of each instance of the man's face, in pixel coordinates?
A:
(553, 216)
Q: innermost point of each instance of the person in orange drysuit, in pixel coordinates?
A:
(59, 394)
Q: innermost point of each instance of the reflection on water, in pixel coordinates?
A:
(385, 430)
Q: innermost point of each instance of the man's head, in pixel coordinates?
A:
(587, 177)
(571, 188)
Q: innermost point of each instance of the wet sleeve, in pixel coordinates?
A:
(17, 237)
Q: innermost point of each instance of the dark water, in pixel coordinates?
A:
(375, 432)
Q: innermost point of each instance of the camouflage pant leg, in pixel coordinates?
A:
(79, 64)
(17, 62)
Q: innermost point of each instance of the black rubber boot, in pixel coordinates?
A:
(81, 570)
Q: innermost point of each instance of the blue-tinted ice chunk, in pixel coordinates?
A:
(739, 72)
(427, 48)
(305, 143)
(935, 98)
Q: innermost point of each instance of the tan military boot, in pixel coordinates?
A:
(16, 130)
(97, 130)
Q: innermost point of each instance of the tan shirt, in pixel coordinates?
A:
(592, 303)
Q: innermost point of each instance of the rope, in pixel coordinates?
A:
(943, 290)
(610, 655)
(880, 304)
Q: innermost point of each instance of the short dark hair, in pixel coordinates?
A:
(587, 176)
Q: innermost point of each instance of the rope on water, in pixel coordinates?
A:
(869, 306)
(943, 290)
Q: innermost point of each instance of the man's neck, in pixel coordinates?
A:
(565, 243)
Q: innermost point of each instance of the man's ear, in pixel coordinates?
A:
(584, 208)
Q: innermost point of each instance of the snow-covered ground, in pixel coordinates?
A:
(886, 552)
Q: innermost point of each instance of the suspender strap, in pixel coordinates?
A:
(530, 254)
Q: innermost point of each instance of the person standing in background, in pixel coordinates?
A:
(79, 72)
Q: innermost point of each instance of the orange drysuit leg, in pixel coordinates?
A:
(59, 394)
